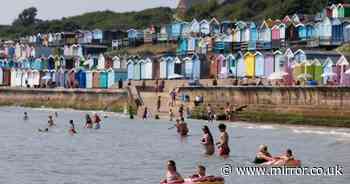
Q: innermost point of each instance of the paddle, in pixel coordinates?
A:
(172, 127)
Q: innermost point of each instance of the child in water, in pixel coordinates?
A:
(50, 122)
(97, 121)
(224, 149)
(26, 117)
(72, 130)
(172, 176)
(283, 159)
(88, 123)
(201, 173)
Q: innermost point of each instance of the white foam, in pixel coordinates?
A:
(322, 132)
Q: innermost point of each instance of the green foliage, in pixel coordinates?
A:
(255, 10)
(26, 23)
(27, 17)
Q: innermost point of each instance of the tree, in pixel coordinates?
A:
(27, 17)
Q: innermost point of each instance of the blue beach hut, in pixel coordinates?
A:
(130, 67)
(104, 79)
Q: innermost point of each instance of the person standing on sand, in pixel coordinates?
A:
(172, 95)
(159, 103)
(181, 111)
(228, 111)
(171, 114)
(145, 114)
(210, 113)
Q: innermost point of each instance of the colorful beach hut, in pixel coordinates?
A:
(259, 64)
(111, 78)
(249, 61)
(89, 79)
(103, 79)
(95, 79)
(130, 68)
(268, 63)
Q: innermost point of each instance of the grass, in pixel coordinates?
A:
(279, 118)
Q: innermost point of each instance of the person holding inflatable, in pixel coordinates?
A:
(263, 155)
(201, 173)
(172, 175)
(283, 159)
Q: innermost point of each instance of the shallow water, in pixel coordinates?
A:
(135, 152)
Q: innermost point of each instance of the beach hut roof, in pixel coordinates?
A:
(258, 53)
(115, 58)
(214, 21)
(248, 54)
(343, 61)
(289, 53)
(204, 22)
(230, 56)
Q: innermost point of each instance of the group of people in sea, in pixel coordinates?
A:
(90, 123)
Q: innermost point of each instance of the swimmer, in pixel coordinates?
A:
(72, 130)
(50, 122)
(45, 130)
(26, 117)
(182, 127)
(200, 174)
(97, 121)
(172, 176)
(208, 141)
(88, 123)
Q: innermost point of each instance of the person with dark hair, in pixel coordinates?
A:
(210, 113)
(25, 117)
(97, 121)
(200, 174)
(208, 141)
(224, 149)
(88, 123)
(145, 114)
(159, 103)
(172, 176)
(72, 130)
(181, 111)
(50, 122)
(182, 127)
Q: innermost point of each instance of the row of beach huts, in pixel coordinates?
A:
(294, 48)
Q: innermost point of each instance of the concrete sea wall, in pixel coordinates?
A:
(331, 103)
(108, 100)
